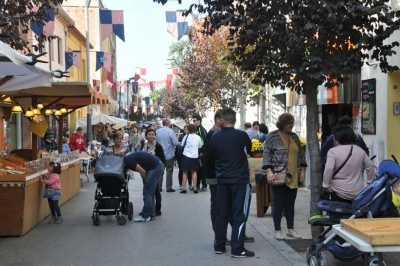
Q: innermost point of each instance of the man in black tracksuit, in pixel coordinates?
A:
(234, 190)
(202, 132)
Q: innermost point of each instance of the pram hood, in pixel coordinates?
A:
(389, 166)
(110, 166)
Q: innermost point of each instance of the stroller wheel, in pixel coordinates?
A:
(373, 261)
(308, 255)
(315, 262)
(121, 220)
(96, 221)
(130, 211)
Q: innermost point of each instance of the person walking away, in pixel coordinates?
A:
(167, 139)
(250, 132)
(179, 159)
(77, 143)
(52, 191)
(156, 149)
(283, 152)
(343, 175)
(150, 168)
(233, 185)
(135, 140)
(263, 132)
(327, 128)
(202, 132)
(190, 158)
(329, 143)
(49, 139)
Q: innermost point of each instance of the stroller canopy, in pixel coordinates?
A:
(110, 166)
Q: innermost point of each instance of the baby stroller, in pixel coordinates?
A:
(372, 202)
(111, 196)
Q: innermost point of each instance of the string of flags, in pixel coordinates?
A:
(43, 27)
(112, 21)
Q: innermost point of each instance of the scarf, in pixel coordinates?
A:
(150, 149)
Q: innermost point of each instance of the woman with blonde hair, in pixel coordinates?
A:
(283, 152)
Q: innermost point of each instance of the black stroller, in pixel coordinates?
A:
(111, 196)
(372, 202)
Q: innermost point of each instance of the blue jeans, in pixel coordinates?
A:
(149, 188)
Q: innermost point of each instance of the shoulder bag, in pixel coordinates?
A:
(284, 176)
(179, 154)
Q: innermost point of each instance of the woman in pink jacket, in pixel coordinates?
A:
(52, 191)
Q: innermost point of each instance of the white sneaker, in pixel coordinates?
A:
(141, 219)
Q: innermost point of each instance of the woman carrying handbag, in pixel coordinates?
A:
(285, 162)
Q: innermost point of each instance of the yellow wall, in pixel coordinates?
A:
(393, 121)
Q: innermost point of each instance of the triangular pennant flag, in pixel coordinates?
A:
(107, 60)
(152, 85)
(96, 85)
(112, 21)
(135, 87)
(176, 23)
(103, 74)
(110, 79)
(43, 27)
(141, 72)
(72, 58)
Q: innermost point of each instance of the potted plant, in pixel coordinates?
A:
(257, 148)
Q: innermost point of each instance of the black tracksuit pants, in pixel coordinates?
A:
(233, 203)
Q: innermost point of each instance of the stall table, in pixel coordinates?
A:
(22, 206)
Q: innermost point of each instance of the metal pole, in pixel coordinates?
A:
(89, 108)
(19, 130)
(119, 102)
(127, 98)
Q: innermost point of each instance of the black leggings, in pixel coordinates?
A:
(54, 208)
(283, 199)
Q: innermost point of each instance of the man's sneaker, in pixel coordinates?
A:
(58, 220)
(219, 251)
(249, 238)
(243, 254)
(203, 189)
(52, 219)
(141, 219)
(170, 190)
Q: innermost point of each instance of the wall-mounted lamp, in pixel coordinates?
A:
(16, 109)
(29, 113)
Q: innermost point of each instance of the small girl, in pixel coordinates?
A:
(396, 195)
(52, 191)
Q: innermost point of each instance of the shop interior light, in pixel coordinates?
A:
(63, 110)
(48, 112)
(39, 105)
(58, 113)
(16, 109)
(36, 111)
(29, 113)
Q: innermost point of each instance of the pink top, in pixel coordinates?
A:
(348, 182)
(53, 181)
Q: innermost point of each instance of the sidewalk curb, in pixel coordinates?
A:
(284, 249)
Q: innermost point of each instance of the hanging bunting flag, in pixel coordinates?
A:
(137, 77)
(72, 58)
(112, 21)
(44, 27)
(177, 25)
(147, 100)
(152, 85)
(104, 74)
(103, 59)
(96, 85)
(141, 72)
(111, 80)
(135, 87)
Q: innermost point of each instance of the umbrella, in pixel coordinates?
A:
(18, 72)
(101, 119)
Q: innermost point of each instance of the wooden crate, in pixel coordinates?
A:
(376, 232)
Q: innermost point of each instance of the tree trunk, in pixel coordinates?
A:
(242, 106)
(262, 105)
(310, 88)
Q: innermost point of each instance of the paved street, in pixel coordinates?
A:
(181, 236)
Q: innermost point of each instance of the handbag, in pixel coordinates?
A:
(179, 154)
(282, 177)
(261, 178)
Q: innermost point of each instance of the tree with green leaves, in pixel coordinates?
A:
(300, 44)
(18, 14)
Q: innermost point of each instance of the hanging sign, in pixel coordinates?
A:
(368, 101)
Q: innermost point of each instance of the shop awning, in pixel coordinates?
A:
(71, 95)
